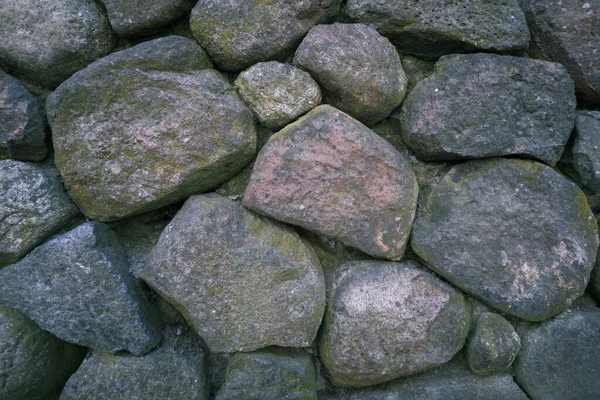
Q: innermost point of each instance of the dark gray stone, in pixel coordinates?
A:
(431, 28)
(242, 281)
(594, 285)
(416, 70)
(486, 105)
(387, 320)
(514, 233)
(78, 287)
(33, 363)
(177, 369)
(274, 374)
(33, 205)
(47, 41)
(239, 33)
(147, 127)
(359, 70)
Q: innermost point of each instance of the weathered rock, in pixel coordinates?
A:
(431, 28)
(270, 374)
(514, 233)
(416, 70)
(493, 345)
(47, 41)
(567, 32)
(328, 173)
(240, 33)
(33, 363)
(177, 369)
(486, 105)
(359, 70)
(594, 285)
(147, 127)
(560, 357)
(131, 19)
(387, 320)
(242, 281)
(33, 205)
(22, 122)
(278, 93)
(217, 369)
(78, 287)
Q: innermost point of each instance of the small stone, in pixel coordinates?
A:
(278, 93)
(359, 70)
(416, 70)
(78, 287)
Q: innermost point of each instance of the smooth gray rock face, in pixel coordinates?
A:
(270, 374)
(560, 357)
(387, 320)
(242, 281)
(278, 93)
(486, 105)
(22, 122)
(147, 127)
(78, 287)
(47, 41)
(177, 369)
(330, 174)
(359, 70)
(493, 345)
(514, 233)
(567, 32)
(239, 33)
(431, 28)
(33, 363)
(33, 205)
(135, 18)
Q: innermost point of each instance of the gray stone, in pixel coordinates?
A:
(416, 70)
(493, 345)
(274, 374)
(47, 41)
(239, 33)
(431, 28)
(22, 122)
(329, 174)
(594, 285)
(560, 357)
(359, 70)
(567, 32)
(486, 105)
(177, 369)
(242, 281)
(33, 363)
(78, 287)
(387, 320)
(278, 93)
(514, 233)
(147, 127)
(217, 369)
(33, 205)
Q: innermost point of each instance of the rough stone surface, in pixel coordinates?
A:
(242, 281)
(270, 374)
(486, 105)
(328, 173)
(47, 41)
(33, 205)
(560, 357)
(594, 285)
(431, 28)
(416, 70)
(240, 33)
(78, 287)
(22, 122)
(359, 70)
(135, 18)
(387, 320)
(493, 345)
(278, 93)
(33, 363)
(147, 127)
(514, 233)
(567, 32)
(177, 369)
